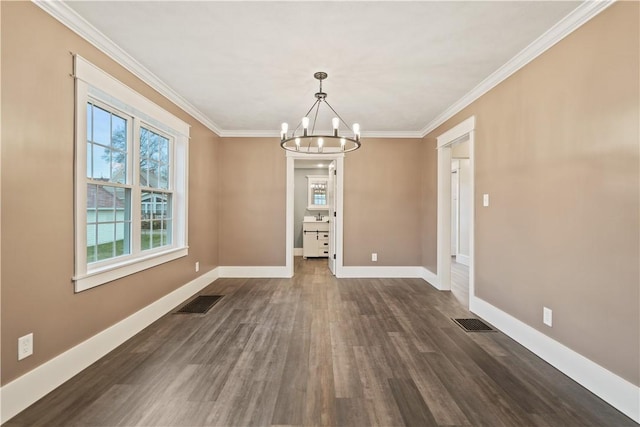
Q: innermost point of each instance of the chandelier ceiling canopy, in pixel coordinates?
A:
(303, 138)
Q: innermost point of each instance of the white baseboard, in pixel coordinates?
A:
(30, 387)
(430, 277)
(382, 272)
(618, 392)
(297, 251)
(254, 272)
(462, 259)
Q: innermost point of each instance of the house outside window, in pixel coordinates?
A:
(131, 180)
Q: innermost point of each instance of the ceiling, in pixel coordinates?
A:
(393, 66)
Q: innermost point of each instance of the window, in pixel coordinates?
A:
(131, 175)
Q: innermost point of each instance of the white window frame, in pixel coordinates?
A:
(94, 84)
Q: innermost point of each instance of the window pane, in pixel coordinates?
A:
(101, 163)
(108, 222)
(157, 236)
(166, 228)
(122, 240)
(164, 151)
(156, 219)
(106, 241)
(118, 133)
(118, 167)
(91, 243)
(163, 177)
(144, 141)
(89, 160)
(101, 126)
(145, 242)
(107, 145)
(91, 202)
(154, 155)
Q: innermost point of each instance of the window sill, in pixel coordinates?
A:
(116, 271)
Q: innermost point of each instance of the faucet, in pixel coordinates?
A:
(319, 217)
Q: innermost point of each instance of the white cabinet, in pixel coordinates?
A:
(315, 239)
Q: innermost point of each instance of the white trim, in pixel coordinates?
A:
(76, 23)
(290, 197)
(570, 23)
(276, 134)
(430, 277)
(463, 259)
(618, 392)
(458, 131)
(130, 266)
(443, 243)
(381, 272)
(254, 272)
(27, 389)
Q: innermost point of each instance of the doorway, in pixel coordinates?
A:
(460, 217)
(301, 168)
(450, 145)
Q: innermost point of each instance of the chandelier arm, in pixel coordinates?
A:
(338, 115)
(315, 117)
(300, 122)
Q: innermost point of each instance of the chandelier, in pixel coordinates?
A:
(306, 141)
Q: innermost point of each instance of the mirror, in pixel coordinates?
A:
(317, 192)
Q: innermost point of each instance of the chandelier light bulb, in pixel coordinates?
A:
(305, 125)
(342, 143)
(320, 144)
(285, 128)
(356, 130)
(297, 144)
(336, 123)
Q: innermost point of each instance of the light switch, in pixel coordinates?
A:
(485, 200)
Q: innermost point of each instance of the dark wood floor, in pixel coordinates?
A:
(315, 350)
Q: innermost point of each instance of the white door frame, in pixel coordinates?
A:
(289, 233)
(331, 191)
(465, 129)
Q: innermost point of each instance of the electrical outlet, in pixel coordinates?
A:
(25, 346)
(197, 266)
(374, 257)
(485, 200)
(547, 316)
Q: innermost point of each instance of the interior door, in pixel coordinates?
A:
(455, 207)
(331, 201)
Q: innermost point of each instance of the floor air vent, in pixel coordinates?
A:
(200, 305)
(473, 325)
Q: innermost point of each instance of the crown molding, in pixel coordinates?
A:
(68, 17)
(579, 16)
(76, 23)
(276, 134)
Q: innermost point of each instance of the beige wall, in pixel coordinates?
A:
(382, 203)
(381, 206)
(252, 177)
(37, 197)
(557, 149)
